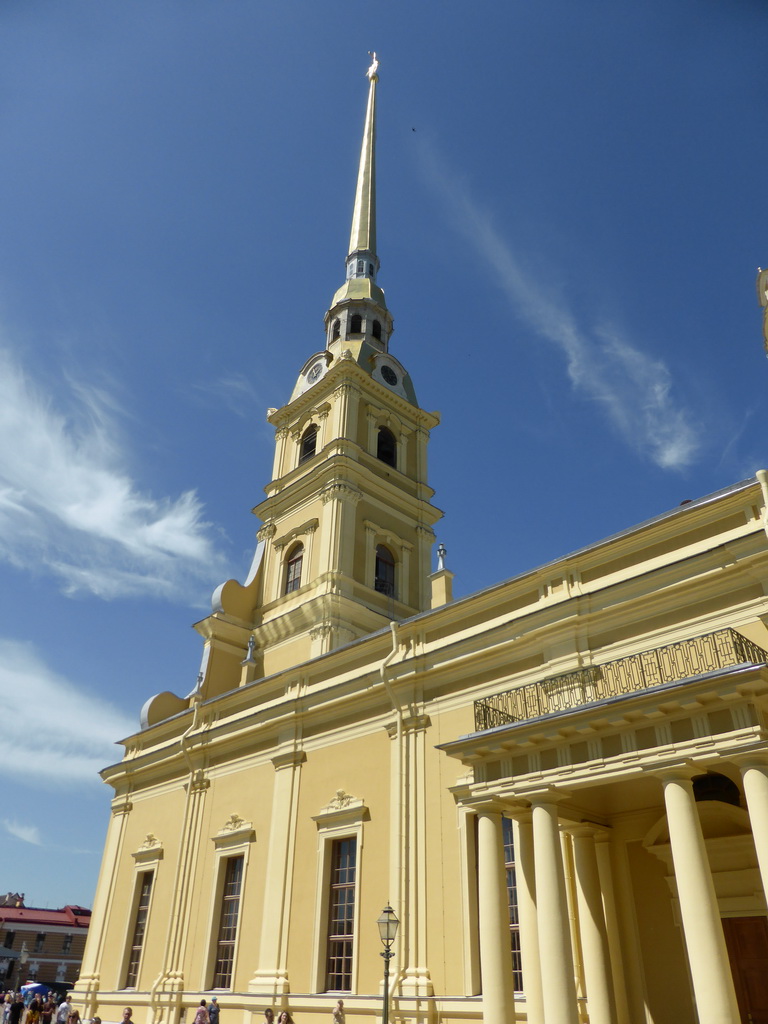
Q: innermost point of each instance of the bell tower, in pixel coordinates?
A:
(347, 533)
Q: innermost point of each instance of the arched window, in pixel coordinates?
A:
(386, 447)
(384, 580)
(293, 569)
(376, 329)
(308, 443)
(336, 329)
(355, 324)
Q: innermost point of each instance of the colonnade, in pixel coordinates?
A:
(549, 980)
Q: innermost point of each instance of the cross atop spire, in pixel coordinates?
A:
(362, 260)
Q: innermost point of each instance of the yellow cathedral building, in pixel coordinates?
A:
(559, 784)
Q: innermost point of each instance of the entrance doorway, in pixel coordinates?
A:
(747, 942)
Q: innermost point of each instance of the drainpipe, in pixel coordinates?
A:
(398, 894)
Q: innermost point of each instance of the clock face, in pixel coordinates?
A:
(314, 372)
(389, 375)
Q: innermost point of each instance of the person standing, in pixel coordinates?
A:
(213, 1010)
(338, 1012)
(269, 1016)
(17, 1009)
(64, 1010)
(201, 1017)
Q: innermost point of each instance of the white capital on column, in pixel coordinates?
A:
(495, 954)
(555, 953)
(713, 989)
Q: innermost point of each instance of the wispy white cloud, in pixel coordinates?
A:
(634, 389)
(234, 390)
(68, 504)
(27, 833)
(79, 743)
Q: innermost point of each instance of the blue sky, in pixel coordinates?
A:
(571, 214)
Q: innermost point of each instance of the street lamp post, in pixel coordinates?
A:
(388, 924)
(23, 957)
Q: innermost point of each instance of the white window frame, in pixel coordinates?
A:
(146, 858)
(342, 819)
(233, 840)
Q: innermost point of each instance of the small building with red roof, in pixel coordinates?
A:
(38, 944)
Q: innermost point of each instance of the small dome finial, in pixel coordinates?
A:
(373, 71)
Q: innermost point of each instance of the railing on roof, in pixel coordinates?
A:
(625, 675)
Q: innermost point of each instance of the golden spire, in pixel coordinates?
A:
(363, 235)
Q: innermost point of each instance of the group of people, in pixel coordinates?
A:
(47, 1009)
(37, 1008)
(208, 1013)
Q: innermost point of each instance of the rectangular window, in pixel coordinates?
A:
(39, 942)
(66, 944)
(139, 928)
(10, 938)
(341, 916)
(514, 920)
(230, 911)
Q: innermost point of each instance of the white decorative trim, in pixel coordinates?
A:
(150, 851)
(234, 832)
(342, 810)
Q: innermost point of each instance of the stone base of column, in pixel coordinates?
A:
(269, 983)
(416, 983)
(85, 992)
(165, 998)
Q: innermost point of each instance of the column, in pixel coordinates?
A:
(754, 774)
(165, 994)
(370, 554)
(525, 875)
(495, 957)
(271, 975)
(416, 980)
(592, 928)
(309, 538)
(615, 953)
(281, 436)
(403, 590)
(87, 985)
(555, 953)
(340, 499)
(402, 451)
(713, 989)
